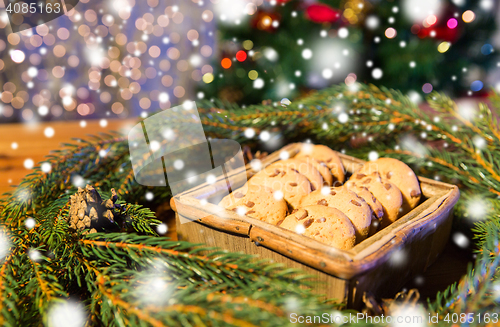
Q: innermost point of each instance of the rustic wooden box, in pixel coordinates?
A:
(381, 264)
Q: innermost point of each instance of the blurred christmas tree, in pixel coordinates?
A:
(284, 48)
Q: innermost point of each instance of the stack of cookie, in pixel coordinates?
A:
(307, 194)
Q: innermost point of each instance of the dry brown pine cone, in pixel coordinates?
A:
(87, 209)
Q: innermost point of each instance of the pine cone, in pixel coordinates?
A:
(89, 211)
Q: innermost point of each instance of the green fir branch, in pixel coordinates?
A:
(441, 144)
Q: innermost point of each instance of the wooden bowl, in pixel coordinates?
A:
(381, 264)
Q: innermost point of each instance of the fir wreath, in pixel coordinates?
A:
(49, 263)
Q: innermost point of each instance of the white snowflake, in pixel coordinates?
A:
(343, 117)
(258, 83)
(265, 136)
(155, 287)
(35, 255)
(327, 73)
(477, 208)
(43, 110)
(418, 10)
(178, 164)
(77, 181)
(343, 32)
(162, 229)
(479, 142)
(307, 54)
(256, 164)
(29, 163)
(461, 240)
(249, 133)
(149, 196)
(398, 258)
(278, 195)
(372, 22)
(377, 73)
(4, 244)
(467, 109)
(30, 223)
(211, 179)
(409, 316)
(67, 314)
(284, 155)
(373, 155)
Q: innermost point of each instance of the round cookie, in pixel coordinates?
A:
(325, 224)
(321, 167)
(353, 206)
(386, 192)
(378, 210)
(327, 156)
(256, 202)
(292, 185)
(375, 205)
(235, 196)
(303, 168)
(398, 173)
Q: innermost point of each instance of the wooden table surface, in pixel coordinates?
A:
(33, 144)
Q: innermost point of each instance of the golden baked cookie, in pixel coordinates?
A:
(292, 185)
(326, 155)
(341, 198)
(257, 202)
(325, 224)
(235, 196)
(321, 167)
(377, 209)
(398, 173)
(387, 193)
(304, 168)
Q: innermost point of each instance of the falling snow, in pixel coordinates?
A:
(4, 244)
(67, 314)
(162, 229)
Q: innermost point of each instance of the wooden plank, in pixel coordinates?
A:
(33, 144)
(331, 288)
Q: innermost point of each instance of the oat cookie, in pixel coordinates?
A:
(398, 173)
(321, 167)
(386, 193)
(341, 198)
(304, 168)
(377, 209)
(327, 156)
(292, 185)
(257, 202)
(325, 224)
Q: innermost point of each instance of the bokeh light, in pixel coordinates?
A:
(468, 16)
(226, 63)
(443, 47)
(452, 23)
(241, 55)
(390, 33)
